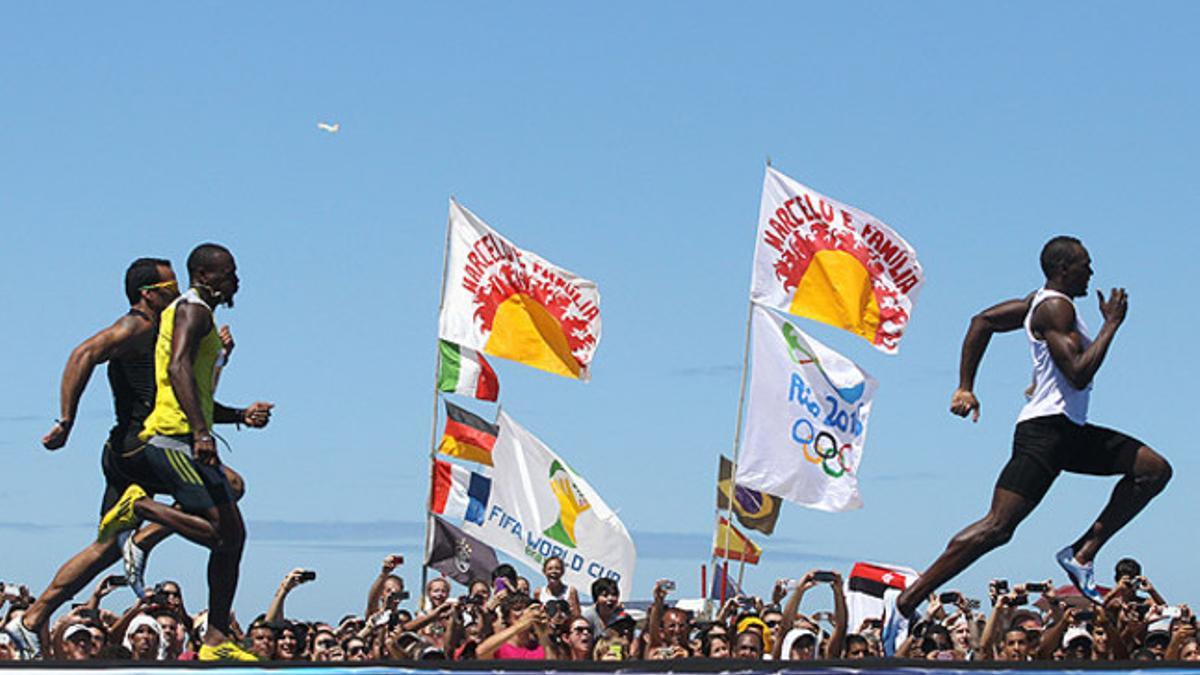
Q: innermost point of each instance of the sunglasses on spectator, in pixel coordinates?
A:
(354, 651)
(326, 644)
(581, 629)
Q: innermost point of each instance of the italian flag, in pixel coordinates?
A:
(464, 371)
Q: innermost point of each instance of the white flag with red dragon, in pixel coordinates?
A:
(508, 302)
(818, 258)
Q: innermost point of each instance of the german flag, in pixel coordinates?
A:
(468, 436)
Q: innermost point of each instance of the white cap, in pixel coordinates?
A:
(791, 638)
(74, 629)
(1163, 624)
(1074, 633)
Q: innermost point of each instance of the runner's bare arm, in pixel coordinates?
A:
(1002, 318)
(83, 360)
(192, 322)
(1054, 322)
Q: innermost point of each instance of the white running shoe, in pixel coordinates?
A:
(1081, 575)
(29, 645)
(135, 567)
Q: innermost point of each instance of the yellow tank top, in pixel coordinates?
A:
(167, 418)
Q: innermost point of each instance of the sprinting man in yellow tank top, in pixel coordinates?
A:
(179, 455)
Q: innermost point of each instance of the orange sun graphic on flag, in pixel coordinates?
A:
(834, 279)
(530, 319)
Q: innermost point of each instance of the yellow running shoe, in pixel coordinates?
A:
(226, 651)
(121, 516)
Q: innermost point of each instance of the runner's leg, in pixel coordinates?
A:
(1146, 478)
(996, 528)
(70, 579)
(224, 564)
(196, 529)
(85, 565)
(153, 534)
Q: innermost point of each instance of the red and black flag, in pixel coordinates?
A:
(468, 436)
(874, 580)
(866, 587)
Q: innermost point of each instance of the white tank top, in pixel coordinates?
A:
(1053, 393)
(544, 594)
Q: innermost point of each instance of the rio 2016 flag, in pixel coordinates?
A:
(540, 508)
(459, 492)
(465, 372)
(511, 303)
(806, 418)
(821, 259)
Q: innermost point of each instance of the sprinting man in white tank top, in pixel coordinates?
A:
(1052, 434)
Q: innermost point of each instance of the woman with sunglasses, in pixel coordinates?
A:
(579, 640)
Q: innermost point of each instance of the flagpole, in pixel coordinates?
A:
(434, 419)
(737, 446)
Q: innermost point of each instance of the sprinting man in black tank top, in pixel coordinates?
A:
(128, 348)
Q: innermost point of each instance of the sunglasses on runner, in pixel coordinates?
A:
(171, 285)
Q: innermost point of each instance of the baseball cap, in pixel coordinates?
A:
(75, 629)
(618, 618)
(1074, 633)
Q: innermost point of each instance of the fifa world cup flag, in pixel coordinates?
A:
(821, 259)
(806, 418)
(539, 508)
(511, 303)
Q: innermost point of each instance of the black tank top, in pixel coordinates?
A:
(131, 378)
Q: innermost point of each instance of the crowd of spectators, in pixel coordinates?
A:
(506, 617)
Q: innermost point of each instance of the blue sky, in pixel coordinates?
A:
(624, 142)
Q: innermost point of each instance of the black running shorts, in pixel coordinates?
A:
(196, 487)
(1043, 447)
(115, 482)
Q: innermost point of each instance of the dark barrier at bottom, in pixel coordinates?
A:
(682, 666)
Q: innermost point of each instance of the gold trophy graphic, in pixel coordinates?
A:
(571, 503)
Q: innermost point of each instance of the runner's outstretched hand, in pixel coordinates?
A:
(963, 403)
(1113, 309)
(258, 415)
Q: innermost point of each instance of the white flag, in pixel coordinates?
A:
(511, 303)
(806, 419)
(818, 258)
(540, 508)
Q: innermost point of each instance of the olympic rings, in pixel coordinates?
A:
(805, 443)
(820, 448)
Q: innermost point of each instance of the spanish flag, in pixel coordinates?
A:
(468, 436)
(734, 545)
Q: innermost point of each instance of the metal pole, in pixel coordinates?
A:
(737, 438)
(434, 419)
